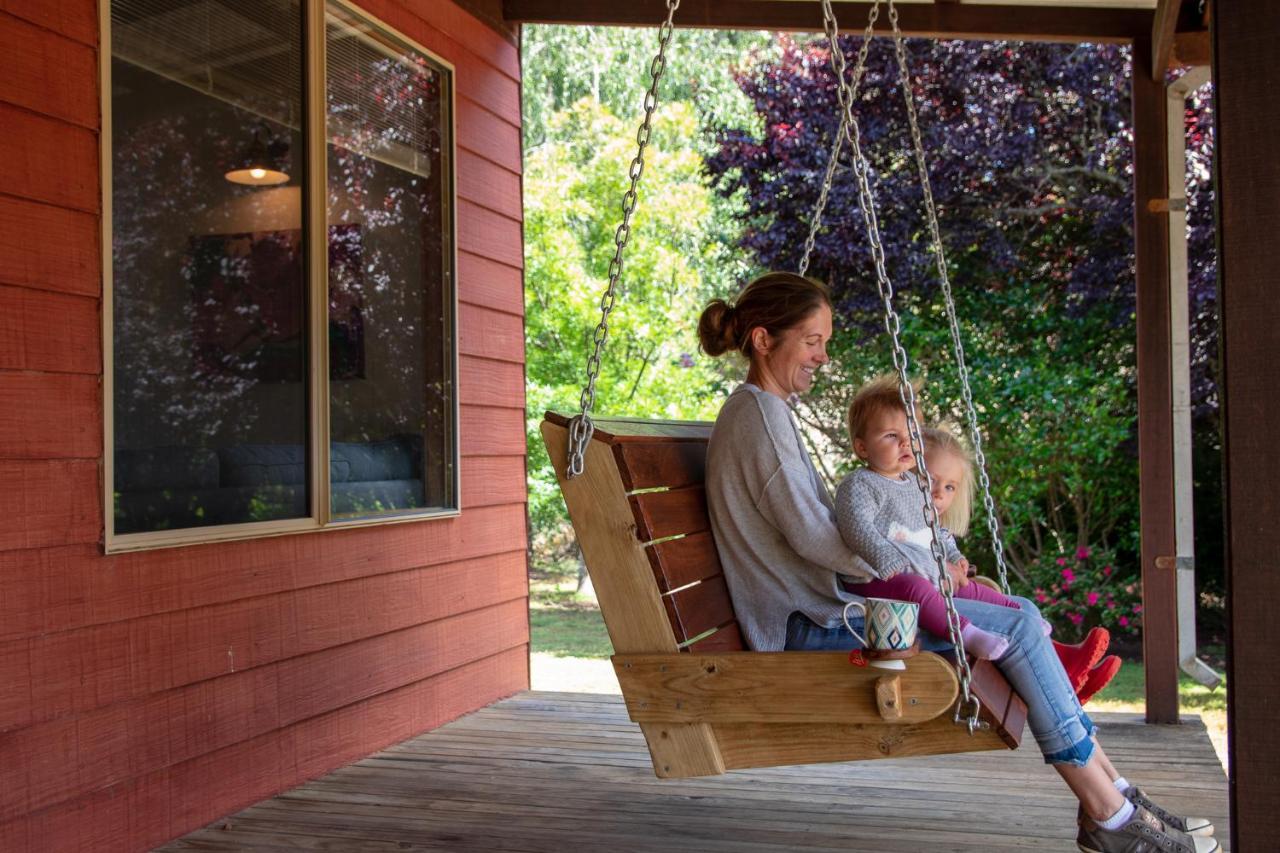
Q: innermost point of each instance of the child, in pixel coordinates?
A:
(880, 513)
(951, 469)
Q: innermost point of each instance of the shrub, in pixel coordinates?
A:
(1078, 591)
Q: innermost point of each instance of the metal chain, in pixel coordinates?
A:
(892, 324)
(581, 427)
(815, 222)
(957, 344)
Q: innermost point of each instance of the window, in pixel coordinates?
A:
(268, 213)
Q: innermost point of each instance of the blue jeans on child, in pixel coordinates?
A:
(1060, 726)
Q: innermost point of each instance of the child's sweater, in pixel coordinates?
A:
(882, 522)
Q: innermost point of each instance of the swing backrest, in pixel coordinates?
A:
(662, 465)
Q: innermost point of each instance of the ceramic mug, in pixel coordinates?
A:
(890, 624)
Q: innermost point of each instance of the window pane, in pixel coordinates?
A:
(209, 332)
(391, 361)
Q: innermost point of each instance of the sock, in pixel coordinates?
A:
(1122, 784)
(1120, 818)
(982, 643)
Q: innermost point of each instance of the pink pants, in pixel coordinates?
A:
(921, 590)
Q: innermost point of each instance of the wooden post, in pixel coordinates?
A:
(1155, 393)
(1247, 106)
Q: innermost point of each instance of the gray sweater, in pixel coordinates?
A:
(773, 521)
(882, 522)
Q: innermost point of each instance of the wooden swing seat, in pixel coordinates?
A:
(705, 703)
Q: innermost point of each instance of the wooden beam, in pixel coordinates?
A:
(1162, 30)
(1247, 114)
(490, 13)
(1155, 392)
(942, 20)
(1191, 49)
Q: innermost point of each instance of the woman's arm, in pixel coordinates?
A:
(796, 510)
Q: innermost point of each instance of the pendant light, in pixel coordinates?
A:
(257, 166)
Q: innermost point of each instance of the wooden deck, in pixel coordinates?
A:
(568, 772)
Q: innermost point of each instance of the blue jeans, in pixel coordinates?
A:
(1060, 726)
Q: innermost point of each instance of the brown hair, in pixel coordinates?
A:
(878, 395)
(776, 301)
(942, 438)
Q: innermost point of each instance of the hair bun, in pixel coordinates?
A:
(717, 328)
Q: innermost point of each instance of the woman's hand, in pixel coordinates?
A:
(959, 572)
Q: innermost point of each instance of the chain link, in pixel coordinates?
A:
(815, 222)
(582, 427)
(957, 343)
(892, 324)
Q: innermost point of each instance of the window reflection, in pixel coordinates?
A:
(390, 293)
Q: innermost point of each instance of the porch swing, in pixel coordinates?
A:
(634, 489)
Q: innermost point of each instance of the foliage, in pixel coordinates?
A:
(1076, 591)
(1030, 162)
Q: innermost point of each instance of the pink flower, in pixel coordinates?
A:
(1092, 598)
(1062, 561)
(1068, 576)
(1041, 597)
(1124, 621)
(1111, 605)
(1137, 608)
(1082, 553)
(1075, 618)
(1106, 571)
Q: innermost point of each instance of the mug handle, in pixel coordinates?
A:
(844, 615)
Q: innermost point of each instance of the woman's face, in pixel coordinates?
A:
(946, 470)
(785, 364)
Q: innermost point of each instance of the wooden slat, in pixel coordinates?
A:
(44, 159)
(697, 609)
(489, 431)
(490, 334)
(661, 514)
(1163, 25)
(666, 463)
(489, 185)
(777, 687)
(492, 235)
(49, 503)
(49, 248)
(482, 281)
(486, 382)
(947, 20)
(77, 19)
(493, 481)
(614, 430)
(49, 332)
(999, 702)
(727, 638)
(485, 133)
(48, 73)
(678, 562)
(49, 416)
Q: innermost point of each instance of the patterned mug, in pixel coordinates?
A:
(891, 627)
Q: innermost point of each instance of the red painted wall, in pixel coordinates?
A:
(143, 695)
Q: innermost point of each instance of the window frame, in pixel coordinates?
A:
(315, 235)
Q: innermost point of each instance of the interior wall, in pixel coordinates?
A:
(146, 694)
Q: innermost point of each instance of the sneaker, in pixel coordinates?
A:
(1197, 826)
(1145, 833)
(1098, 677)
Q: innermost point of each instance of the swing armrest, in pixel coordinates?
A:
(777, 687)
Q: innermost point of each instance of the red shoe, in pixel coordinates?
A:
(1099, 677)
(1080, 659)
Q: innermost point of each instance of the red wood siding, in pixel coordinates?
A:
(149, 693)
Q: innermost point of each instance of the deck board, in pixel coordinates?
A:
(563, 771)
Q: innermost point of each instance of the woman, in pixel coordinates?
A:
(775, 530)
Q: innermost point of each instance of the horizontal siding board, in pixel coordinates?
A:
(496, 480)
(77, 19)
(485, 133)
(49, 332)
(492, 235)
(495, 285)
(489, 431)
(48, 503)
(47, 72)
(49, 416)
(479, 38)
(48, 763)
(489, 185)
(49, 247)
(490, 334)
(60, 589)
(43, 159)
(486, 382)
